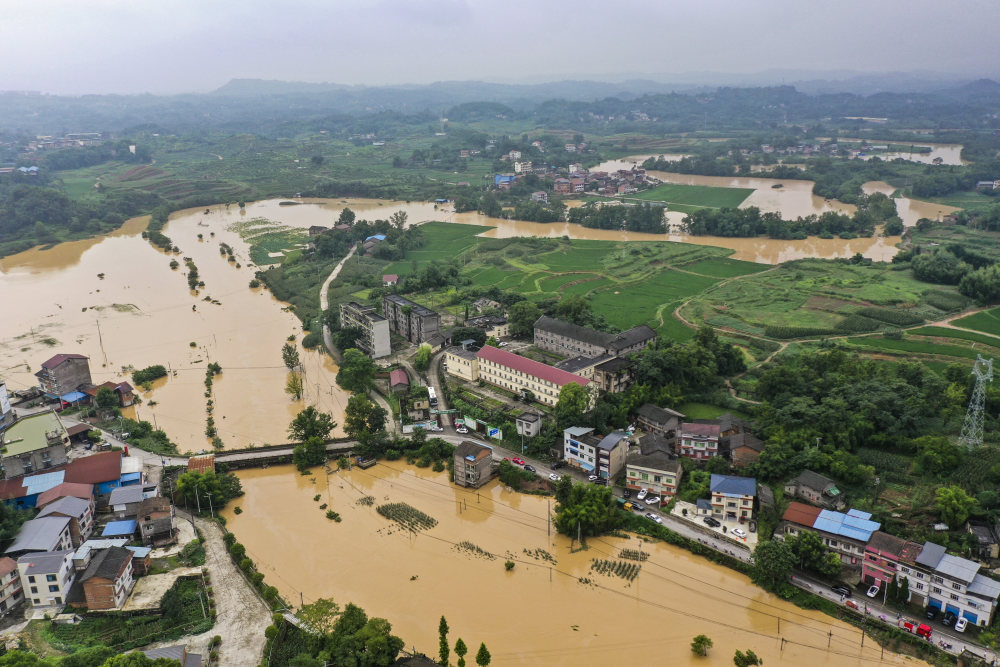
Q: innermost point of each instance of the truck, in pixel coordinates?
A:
(916, 628)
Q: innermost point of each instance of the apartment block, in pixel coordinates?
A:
(374, 339)
(410, 320)
(516, 373)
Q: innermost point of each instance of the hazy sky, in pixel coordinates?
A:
(128, 46)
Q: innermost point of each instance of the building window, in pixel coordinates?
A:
(31, 578)
(50, 577)
(954, 597)
(53, 589)
(957, 587)
(34, 589)
(936, 589)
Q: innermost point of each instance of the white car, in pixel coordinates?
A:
(653, 517)
(554, 477)
(461, 429)
(960, 624)
(652, 500)
(739, 532)
(642, 494)
(872, 591)
(592, 478)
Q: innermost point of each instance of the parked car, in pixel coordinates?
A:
(949, 619)
(642, 494)
(600, 481)
(556, 465)
(841, 589)
(653, 517)
(932, 613)
(638, 508)
(711, 522)
(652, 500)
(503, 343)
(554, 477)
(626, 494)
(961, 624)
(518, 461)
(529, 468)
(872, 591)
(461, 429)
(739, 532)
(592, 478)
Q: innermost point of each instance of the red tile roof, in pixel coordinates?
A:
(202, 463)
(802, 514)
(59, 358)
(398, 376)
(707, 430)
(7, 565)
(85, 491)
(12, 488)
(96, 468)
(530, 366)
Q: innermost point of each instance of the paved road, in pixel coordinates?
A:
(324, 289)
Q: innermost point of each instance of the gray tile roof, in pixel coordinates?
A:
(125, 495)
(633, 336)
(612, 440)
(574, 331)
(959, 569)
(930, 555)
(654, 442)
(986, 587)
(577, 364)
(658, 414)
(40, 534)
(656, 461)
(107, 564)
(44, 562)
(578, 431)
(68, 506)
(812, 480)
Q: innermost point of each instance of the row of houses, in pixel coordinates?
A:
(66, 377)
(702, 439)
(935, 578)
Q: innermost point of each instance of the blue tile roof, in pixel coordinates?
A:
(734, 486)
(856, 525)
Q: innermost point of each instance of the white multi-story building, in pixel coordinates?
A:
(595, 455)
(950, 583)
(47, 577)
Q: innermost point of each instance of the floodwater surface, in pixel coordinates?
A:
(550, 609)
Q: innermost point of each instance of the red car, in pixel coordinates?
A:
(519, 462)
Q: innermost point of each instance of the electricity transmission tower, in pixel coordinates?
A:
(972, 429)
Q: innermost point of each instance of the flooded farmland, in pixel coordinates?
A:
(552, 608)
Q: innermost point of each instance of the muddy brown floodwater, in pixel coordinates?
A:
(116, 300)
(538, 613)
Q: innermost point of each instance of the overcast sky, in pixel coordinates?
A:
(167, 46)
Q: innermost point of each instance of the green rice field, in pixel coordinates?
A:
(702, 196)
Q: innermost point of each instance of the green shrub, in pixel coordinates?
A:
(855, 323)
(898, 317)
(782, 333)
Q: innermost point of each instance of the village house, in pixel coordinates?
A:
(657, 472)
(949, 583)
(410, 320)
(846, 535)
(742, 448)
(522, 167)
(80, 513)
(528, 424)
(562, 186)
(540, 196)
(176, 652)
(882, 554)
(473, 464)
(34, 443)
(121, 528)
(63, 374)
(47, 577)
(374, 339)
(156, 521)
(662, 421)
(11, 592)
(50, 533)
(816, 489)
(698, 441)
(108, 580)
(733, 497)
(103, 471)
(595, 455)
(316, 230)
(390, 279)
(399, 381)
(493, 325)
(520, 374)
(6, 410)
(462, 363)
(987, 547)
(481, 304)
(123, 390)
(124, 501)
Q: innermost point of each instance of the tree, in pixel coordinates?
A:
(813, 555)
(311, 423)
(460, 650)
(95, 656)
(563, 488)
(748, 659)
(701, 644)
(521, 317)
(423, 358)
(773, 562)
(293, 385)
(312, 452)
(137, 659)
(483, 656)
(362, 417)
(200, 487)
(290, 355)
(106, 398)
(346, 217)
(573, 402)
(443, 649)
(357, 371)
(954, 505)
(320, 616)
(589, 510)
(398, 219)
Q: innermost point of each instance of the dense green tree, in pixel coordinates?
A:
(444, 649)
(106, 398)
(939, 266)
(94, 656)
(310, 453)
(290, 356)
(813, 555)
(458, 334)
(937, 455)
(460, 650)
(574, 400)
(198, 487)
(522, 317)
(590, 510)
(701, 644)
(773, 562)
(748, 659)
(357, 371)
(311, 423)
(293, 385)
(319, 616)
(563, 488)
(362, 416)
(954, 505)
(423, 358)
(483, 656)
(983, 285)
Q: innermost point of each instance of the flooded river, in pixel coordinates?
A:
(116, 300)
(538, 613)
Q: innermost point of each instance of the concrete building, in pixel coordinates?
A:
(6, 410)
(124, 501)
(50, 533)
(519, 374)
(494, 325)
(410, 320)
(572, 340)
(473, 464)
(399, 381)
(846, 535)
(657, 472)
(698, 441)
(67, 490)
(950, 583)
(741, 448)
(47, 577)
(34, 443)
(733, 497)
(595, 455)
(662, 421)
(108, 579)
(528, 424)
(63, 374)
(156, 521)
(609, 373)
(374, 339)
(11, 592)
(816, 489)
(80, 513)
(882, 554)
(462, 363)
